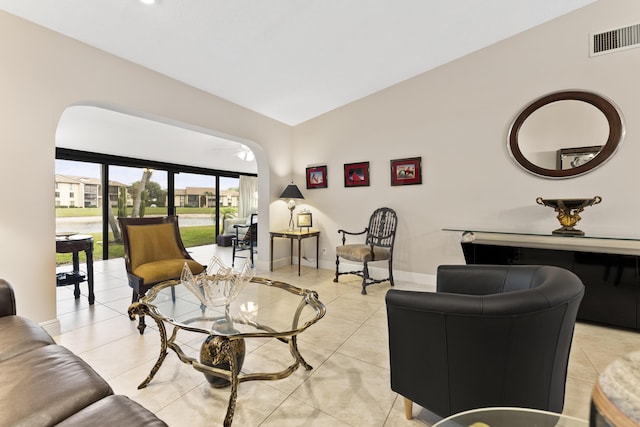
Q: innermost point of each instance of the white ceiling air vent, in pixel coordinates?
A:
(615, 40)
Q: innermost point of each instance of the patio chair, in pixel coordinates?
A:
(245, 239)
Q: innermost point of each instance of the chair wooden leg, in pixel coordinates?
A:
(337, 271)
(141, 323)
(408, 409)
(365, 278)
(134, 298)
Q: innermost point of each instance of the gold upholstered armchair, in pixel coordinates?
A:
(153, 253)
(380, 237)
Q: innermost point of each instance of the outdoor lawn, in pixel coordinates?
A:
(191, 236)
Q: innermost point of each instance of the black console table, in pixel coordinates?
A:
(608, 267)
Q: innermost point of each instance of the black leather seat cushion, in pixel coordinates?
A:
(45, 386)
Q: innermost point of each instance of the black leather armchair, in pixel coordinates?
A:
(490, 336)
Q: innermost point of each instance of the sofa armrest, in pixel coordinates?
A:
(230, 222)
(7, 299)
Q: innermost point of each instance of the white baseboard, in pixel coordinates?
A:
(405, 276)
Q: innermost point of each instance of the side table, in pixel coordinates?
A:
(295, 235)
(74, 244)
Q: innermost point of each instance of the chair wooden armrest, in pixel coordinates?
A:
(351, 233)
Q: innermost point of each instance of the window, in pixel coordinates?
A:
(172, 189)
(77, 205)
(196, 191)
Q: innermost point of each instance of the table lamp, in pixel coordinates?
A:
(291, 192)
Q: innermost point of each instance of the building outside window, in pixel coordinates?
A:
(79, 185)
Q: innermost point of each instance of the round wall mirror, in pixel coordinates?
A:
(565, 134)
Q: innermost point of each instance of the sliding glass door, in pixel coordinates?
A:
(195, 203)
(78, 200)
(93, 190)
(133, 192)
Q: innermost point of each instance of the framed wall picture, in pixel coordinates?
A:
(406, 171)
(317, 177)
(568, 158)
(305, 220)
(356, 174)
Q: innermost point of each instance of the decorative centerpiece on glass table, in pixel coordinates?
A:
(218, 286)
(568, 213)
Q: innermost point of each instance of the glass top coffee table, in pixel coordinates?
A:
(264, 308)
(510, 417)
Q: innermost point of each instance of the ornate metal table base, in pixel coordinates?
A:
(222, 354)
(212, 354)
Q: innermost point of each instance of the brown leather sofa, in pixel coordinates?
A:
(45, 384)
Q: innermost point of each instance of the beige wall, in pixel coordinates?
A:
(456, 117)
(42, 73)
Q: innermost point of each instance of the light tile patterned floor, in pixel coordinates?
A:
(349, 385)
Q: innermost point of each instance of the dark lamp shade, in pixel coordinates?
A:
(291, 192)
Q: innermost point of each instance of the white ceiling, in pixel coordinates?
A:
(108, 132)
(290, 60)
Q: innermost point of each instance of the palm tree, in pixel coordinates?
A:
(138, 199)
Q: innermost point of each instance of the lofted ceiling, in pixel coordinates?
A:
(290, 60)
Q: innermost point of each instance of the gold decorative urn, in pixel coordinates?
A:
(568, 213)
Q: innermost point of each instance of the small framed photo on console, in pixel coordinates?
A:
(305, 220)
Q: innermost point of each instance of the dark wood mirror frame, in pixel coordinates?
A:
(611, 113)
